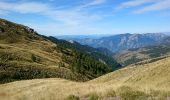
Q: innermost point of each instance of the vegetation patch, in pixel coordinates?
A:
(127, 93)
(111, 93)
(72, 97)
(93, 96)
(33, 56)
(159, 95)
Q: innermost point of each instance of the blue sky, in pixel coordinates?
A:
(76, 17)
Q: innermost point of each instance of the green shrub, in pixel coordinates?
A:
(35, 58)
(2, 30)
(127, 93)
(72, 97)
(61, 64)
(93, 96)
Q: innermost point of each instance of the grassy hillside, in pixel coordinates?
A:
(24, 54)
(132, 56)
(138, 82)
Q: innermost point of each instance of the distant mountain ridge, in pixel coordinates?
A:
(131, 56)
(124, 41)
(78, 37)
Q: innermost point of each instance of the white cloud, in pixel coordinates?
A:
(72, 20)
(134, 3)
(68, 16)
(28, 7)
(142, 6)
(94, 3)
(60, 29)
(161, 5)
(72, 17)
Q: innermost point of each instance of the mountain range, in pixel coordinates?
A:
(119, 67)
(123, 41)
(131, 48)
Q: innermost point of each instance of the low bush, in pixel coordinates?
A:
(127, 93)
(93, 96)
(72, 97)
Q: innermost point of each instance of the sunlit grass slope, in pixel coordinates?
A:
(136, 82)
(25, 54)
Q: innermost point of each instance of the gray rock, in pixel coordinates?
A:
(30, 30)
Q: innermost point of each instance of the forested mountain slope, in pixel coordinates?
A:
(24, 54)
(132, 56)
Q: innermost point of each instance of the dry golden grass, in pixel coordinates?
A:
(147, 77)
(43, 50)
(16, 56)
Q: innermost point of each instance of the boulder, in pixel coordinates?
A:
(30, 30)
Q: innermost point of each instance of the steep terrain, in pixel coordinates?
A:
(131, 48)
(24, 54)
(149, 81)
(124, 41)
(131, 56)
